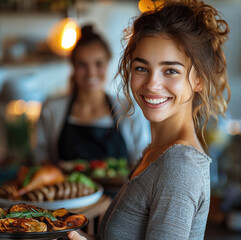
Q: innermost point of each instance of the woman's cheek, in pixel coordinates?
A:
(135, 84)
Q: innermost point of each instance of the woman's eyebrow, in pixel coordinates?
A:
(171, 63)
(137, 59)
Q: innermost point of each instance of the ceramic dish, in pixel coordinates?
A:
(66, 203)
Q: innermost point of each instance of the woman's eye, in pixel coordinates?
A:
(81, 64)
(171, 71)
(100, 64)
(140, 69)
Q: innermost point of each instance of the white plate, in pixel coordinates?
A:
(66, 203)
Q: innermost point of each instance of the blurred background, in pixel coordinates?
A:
(32, 69)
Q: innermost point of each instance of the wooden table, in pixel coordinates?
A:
(94, 213)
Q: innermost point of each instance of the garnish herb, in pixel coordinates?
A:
(31, 214)
(29, 175)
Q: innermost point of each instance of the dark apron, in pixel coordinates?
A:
(89, 142)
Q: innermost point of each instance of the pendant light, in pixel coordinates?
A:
(63, 36)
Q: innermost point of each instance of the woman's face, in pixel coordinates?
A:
(159, 78)
(91, 62)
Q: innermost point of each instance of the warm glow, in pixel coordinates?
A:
(148, 5)
(69, 38)
(15, 108)
(63, 37)
(31, 109)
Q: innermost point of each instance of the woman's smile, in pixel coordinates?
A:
(155, 101)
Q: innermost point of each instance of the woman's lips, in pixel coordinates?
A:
(155, 101)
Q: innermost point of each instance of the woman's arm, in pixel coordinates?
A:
(176, 199)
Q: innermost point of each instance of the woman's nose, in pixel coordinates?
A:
(154, 80)
(92, 72)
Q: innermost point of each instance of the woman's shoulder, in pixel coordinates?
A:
(182, 167)
(182, 163)
(184, 152)
(53, 101)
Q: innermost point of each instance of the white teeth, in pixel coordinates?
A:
(155, 100)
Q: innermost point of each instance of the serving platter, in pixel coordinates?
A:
(66, 203)
(39, 235)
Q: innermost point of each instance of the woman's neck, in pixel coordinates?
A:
(93, 98)
(174, 130)
(88, 107)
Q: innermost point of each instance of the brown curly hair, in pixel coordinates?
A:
(201, 32)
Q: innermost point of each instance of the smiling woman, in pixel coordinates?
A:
(174, 66)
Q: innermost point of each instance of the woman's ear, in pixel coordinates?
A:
(197, 81)
(198, 85)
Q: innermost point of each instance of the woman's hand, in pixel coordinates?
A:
(75, 236)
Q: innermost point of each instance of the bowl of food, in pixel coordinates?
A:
(107, 172)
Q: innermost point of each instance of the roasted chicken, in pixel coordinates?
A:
(45, 176)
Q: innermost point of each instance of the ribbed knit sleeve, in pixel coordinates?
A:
(177, 195)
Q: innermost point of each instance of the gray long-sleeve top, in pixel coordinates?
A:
(168, 200)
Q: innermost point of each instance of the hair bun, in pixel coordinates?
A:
(87, 30)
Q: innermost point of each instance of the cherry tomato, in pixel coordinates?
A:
(80, 167)
(98, 164)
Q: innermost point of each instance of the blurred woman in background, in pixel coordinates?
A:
(84, 123)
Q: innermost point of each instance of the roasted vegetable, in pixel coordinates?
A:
(22, 225)
(60, 213)
(23, 207)
(29, 218)
(55, 225)
(3, 213)
(76, 220)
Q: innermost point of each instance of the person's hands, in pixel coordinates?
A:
(75, 236)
